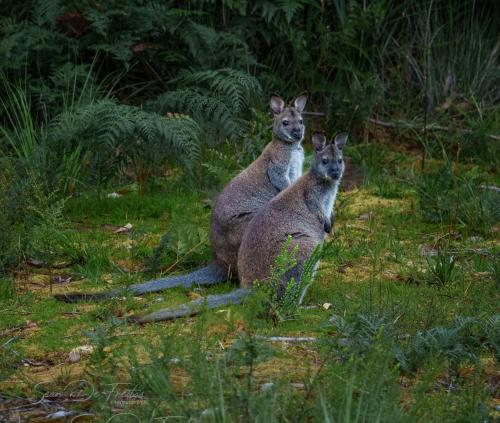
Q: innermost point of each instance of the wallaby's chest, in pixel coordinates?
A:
(296, 163)
(327, 201)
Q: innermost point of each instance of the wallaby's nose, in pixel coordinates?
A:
(297, 133)
(335, 173)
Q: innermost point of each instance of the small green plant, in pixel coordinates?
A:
(461, 341)
(494, 269)
(284, 294)
(185, 245)
(441, 269)
(7, 288)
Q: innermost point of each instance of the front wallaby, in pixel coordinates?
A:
(303, 212)
(276, 168)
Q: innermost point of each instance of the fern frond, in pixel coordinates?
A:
(118, 132)
(212, 49)
(236, 88)
(209, 110)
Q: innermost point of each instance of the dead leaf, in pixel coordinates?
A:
(74, 357)
(59, 279)
(31, 324)
(28, 362)
(194, 295)
(365, 216)
(141, 47)
(107, 277)
(427, 251)
(113, 195)
(76, 353)
(123, 229)
(84, 349)
(327, 306)
(36, 263)
(109, 227)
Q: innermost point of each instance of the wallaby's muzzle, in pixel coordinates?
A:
(297, 134)
(335, 174)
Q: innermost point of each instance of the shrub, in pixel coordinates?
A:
(459, 200)
(282, 293)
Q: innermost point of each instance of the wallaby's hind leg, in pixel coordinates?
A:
(194, 307)
(208, 275)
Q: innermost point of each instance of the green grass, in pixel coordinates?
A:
(386, 276)
(166, 101)
(390, 346)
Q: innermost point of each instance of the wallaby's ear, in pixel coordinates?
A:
(277, 104)
(340, 140)
(319, 141)
(300, 102)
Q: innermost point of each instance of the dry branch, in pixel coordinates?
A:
(286, 338)
(431, 127)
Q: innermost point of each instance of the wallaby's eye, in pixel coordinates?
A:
(325, 161)
(285, 123)
(340, 161)
(301, 121)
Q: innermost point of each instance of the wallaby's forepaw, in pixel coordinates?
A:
(327, 226)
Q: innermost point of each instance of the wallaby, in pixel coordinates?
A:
(303, 211)
(276, 168)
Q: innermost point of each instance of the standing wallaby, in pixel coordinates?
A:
(276, 168)
(303, 211)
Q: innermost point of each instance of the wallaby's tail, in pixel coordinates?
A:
(194, 307)
(208, 275)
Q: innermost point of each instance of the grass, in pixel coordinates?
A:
(390, 348)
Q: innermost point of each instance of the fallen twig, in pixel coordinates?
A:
(8, 342)
(431, 127)
(490, 187)
(287, 338)
(317, 114)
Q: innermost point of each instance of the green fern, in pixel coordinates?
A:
(211, 48)
(236, 88)
(117, 133)
(215, 99)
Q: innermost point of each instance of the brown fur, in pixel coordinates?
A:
(269, 230)
(240, 200)
(298, 212)
(279, 165)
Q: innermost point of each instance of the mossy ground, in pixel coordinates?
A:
(376, 260)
